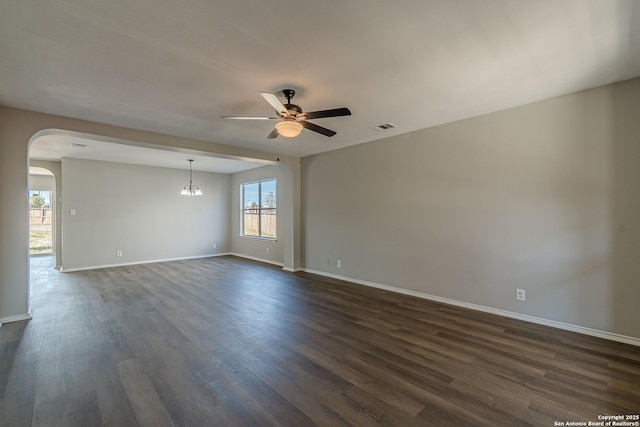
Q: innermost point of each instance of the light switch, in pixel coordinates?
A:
(72, 211)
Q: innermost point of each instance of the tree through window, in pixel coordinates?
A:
(259, 209)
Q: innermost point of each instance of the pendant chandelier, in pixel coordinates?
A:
(190, 189)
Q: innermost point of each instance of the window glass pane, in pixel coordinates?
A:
(251, 196)
(250, 222)
(251, 209)
(268, 223)
(269, 193)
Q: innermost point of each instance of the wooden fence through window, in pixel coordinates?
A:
(40, 216)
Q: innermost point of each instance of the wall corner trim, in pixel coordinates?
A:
(533, 319)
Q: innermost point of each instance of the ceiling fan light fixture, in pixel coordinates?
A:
(289, 128)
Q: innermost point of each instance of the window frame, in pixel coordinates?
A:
(260, 208)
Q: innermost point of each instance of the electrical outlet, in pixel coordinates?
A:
(267, 250)
(118, 253)
(214, 246)
(339, 263)
(520, 295)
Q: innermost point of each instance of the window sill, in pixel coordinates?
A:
(268, 239)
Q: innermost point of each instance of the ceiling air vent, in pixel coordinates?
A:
(385, 126)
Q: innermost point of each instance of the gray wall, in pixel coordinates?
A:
(42, 182)
(542, 197)
(138, 210)
(252, 247)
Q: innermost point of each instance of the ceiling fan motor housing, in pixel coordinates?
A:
(293, 109)
(289, 93)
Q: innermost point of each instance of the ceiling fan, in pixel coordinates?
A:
(292, 118)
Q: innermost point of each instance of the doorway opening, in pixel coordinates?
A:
(40, 222)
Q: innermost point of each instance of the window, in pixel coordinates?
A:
(259, 209)
(40, 222)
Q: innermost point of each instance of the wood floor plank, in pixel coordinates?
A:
(149, 409)
(226, 341)
(82, 410)
(115, 407)
(18, 401)
(273, 402)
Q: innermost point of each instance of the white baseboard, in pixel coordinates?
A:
(151, 261)
(15, 318)
(268, 261)
(253, 258)
(533, 319)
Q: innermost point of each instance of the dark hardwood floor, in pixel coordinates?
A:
(225, 342)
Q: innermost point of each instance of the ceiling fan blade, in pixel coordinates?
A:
(336, 112)
(249, 118)
(273, 134)
(275, 103)
(316, 128)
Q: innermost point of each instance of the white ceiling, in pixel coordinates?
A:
(175, 67)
